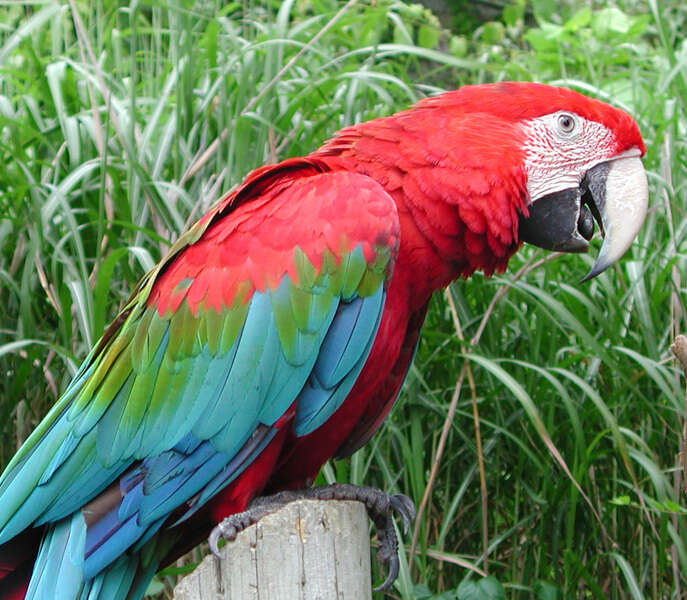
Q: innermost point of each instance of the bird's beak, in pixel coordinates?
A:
(615, 194)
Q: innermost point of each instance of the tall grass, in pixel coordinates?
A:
(119, 125)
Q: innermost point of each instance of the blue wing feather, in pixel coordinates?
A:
(342, 355)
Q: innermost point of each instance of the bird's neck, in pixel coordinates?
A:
(457, 214)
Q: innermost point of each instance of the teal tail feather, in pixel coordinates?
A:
(58, 572)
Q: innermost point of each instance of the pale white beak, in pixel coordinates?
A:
(621, 196)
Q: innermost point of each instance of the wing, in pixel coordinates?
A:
(265, 310)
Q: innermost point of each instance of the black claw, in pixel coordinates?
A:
(393, 563)
(405, 509)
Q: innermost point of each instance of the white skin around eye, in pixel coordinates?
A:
(556, 159)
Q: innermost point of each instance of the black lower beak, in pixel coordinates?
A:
(560, 221)
(612, 193)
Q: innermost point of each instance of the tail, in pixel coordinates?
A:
(58, 571)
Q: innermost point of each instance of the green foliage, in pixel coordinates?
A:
(120, 128)
(487, 588)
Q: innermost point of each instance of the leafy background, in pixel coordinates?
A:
(542, 420)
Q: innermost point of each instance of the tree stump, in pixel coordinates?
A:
(307, 550)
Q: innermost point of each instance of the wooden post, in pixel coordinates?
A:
(307, 550)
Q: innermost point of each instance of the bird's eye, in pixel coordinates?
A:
(566, 123)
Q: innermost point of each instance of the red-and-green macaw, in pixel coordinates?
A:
(278, 330)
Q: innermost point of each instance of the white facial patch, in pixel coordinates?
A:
(556, 159)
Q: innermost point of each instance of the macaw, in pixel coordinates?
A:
(278, 330)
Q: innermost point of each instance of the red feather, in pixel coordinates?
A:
(258, 256)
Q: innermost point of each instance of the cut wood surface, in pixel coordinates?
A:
(307, 550)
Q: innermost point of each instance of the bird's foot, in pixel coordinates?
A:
(380, 508)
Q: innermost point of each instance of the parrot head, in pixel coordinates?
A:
(582, 163)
